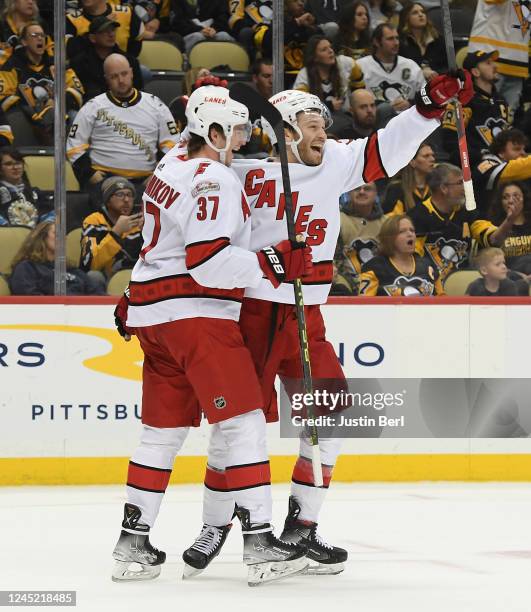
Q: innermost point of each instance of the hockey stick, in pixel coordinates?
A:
(252, 99)
(470, 201)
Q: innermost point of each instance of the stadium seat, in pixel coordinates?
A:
(457, 283)
(118, 282)
(462, 20)
(77, 208)
(4, 287)
(11, 239)
(73, 248)
(166, 87)
(217, 53)
(460, 56)
(40, 171)
(22, 129)
(160, 55)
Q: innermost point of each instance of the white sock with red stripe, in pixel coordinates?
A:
(247, 470)
(218, 499)
(150, 468)
(309, 497)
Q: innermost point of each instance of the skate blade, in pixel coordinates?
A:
(262, 573)
(123, 573)
(190, 572)
(324, 569)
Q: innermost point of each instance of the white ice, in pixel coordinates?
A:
(412, 547)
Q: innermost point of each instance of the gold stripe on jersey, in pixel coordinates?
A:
(121, 171)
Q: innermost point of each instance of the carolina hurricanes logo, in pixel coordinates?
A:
(523, 13)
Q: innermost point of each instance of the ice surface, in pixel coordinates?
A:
(424, 547)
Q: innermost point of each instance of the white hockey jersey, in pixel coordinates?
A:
(122, 138)
(503, 26)
(404, 79)
(195, 259)
(316, 193)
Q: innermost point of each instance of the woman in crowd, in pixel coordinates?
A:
(421, 41)
(410, 188)
(382, 11)
(33, 268)
(354, 38)
(16, 15)
(20, 203)
(397, 270)
(517, 246)
(330, 77)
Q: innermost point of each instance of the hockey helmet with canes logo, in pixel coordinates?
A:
(290, 103)
(208, 105)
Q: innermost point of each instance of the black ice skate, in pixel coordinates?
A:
(267, 557)
(206, 546)
(134, 547)
(324, 558)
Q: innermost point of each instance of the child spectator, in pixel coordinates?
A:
(112, 238)
(33, 268)
(354, 38)
(397, 270)
(494, 281)
(517, 245)
(421, 41)
(20, 203)
(410, 188)
(331, 78)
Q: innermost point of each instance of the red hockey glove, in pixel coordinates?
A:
(285, 262)
(120, 317)
(434, 96)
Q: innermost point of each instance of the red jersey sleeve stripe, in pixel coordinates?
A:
(248, 476)
(147, 478)
(198, 253)
(373, 168)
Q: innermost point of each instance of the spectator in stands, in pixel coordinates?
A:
(421, 41)
(112, 237)
(484, 116)
(382, 11)
(33, 268)
(326, 15)
(330, 77)
(191, 76)
(16, 15)
(363, 115)
(203, 21)
(393, 79)
(155, 15)
(506, 161)
(445, 229)
(6, 133)
(397, 270)
(99, 43)
(249, 21)
(494, 282)
(503, 26)
(354, 37)
(118, 133)
(27, 79)
(410, 187)
(361, 220)
(20, 203)
(262, 76)
(517, 245)
(299, 27)
(128, 36)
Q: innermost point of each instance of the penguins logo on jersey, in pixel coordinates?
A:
(409, 286)
(37, 92)
(447, 255)
(491, 129)
(391, 91)
(359, 252)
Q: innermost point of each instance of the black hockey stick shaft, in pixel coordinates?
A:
(470, 201)
(253, 100)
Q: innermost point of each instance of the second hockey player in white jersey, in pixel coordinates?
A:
(320, 171)
(184, 303)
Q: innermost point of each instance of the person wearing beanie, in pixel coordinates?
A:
(112, 237)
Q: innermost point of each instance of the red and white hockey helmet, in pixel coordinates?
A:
(290, 103)
(210, 104)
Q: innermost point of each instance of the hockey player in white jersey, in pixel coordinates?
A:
(184, 303)
(320, 171)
